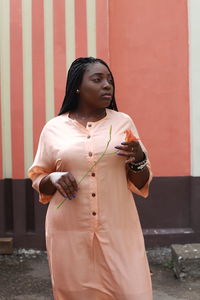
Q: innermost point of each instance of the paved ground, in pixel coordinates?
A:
(167, 287)
(25, 276)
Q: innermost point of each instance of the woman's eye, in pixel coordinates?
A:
(99, 79)
(96, 79)
(111, 81)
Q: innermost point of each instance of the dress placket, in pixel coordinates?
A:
(92, 177)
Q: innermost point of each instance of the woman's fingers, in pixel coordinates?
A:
(66, 188)
(122, 147)
(65, 184)
(70, 188)
(129, 149)
(127, 153)
(128, 146)
(131, 159)
(73, 182)
(61, 190)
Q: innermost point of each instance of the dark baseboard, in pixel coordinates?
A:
(171, 212)
(169, 215)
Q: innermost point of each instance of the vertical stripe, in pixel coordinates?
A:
(194, 49)
(49, 64)
(16, 89)
(102, 29)
(1, 159)
(38, 70)
(59, 53)
(91, 27)
(70, 31)
(27, 83)
(5, 87)
(81, 30)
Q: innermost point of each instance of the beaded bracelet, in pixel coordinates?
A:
(139, 166)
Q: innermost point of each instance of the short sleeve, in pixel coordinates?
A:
(144, 191)
(43, 164)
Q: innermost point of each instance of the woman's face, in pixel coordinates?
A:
(96, 89)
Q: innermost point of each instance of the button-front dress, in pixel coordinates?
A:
(94, 242)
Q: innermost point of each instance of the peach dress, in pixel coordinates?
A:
(94, 242)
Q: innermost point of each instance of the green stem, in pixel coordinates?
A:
(90, 169)
(111, 152)
(60, 203)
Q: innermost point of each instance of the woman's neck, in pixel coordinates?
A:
(87, 113)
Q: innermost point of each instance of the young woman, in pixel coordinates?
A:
(94, 240)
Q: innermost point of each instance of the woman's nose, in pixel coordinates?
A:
(107, 84)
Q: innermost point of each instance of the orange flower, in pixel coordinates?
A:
(130, 136)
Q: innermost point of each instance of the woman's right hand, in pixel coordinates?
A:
(65, 183)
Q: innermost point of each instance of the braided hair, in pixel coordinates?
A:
(74, 79)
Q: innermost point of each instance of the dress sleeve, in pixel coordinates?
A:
(43, 164)
(144, 191)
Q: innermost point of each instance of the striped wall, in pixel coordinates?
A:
(39, 40)
(152, 47)
(6, 141)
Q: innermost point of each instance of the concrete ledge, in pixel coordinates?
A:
(186, 260)
(6, 245)
(159, 256)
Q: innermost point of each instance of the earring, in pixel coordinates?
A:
(77, 91)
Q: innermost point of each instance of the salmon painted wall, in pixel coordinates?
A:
(146, 44)
(149, 58)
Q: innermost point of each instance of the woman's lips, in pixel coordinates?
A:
(107, 96)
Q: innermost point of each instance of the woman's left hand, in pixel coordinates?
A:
(132, 150)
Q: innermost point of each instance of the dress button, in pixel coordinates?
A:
(93, 174)
(93, 194)
(88, 136)
(90, 153)
(94, 213)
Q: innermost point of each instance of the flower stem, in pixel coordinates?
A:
(111, 152)
(60, 203)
